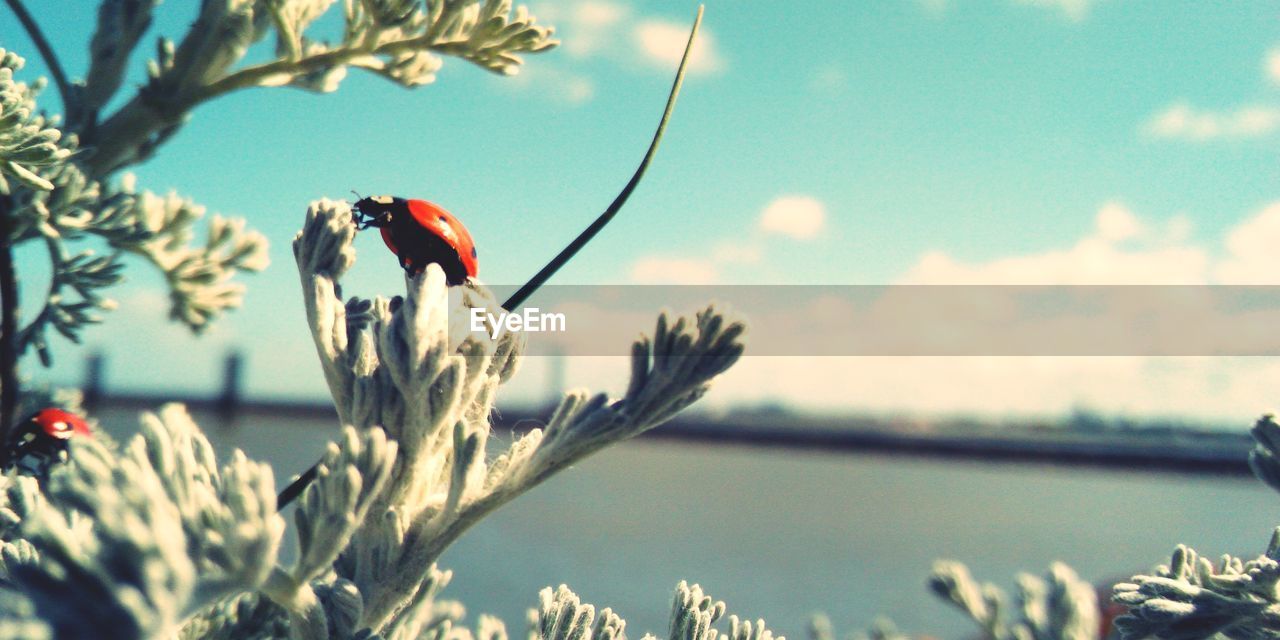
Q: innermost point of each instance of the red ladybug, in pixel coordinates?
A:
(41, 440)
(420, 233)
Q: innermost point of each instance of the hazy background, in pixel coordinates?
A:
(921, 142)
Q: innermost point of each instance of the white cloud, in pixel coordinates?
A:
(586, 27)
(1074, 10)
(799, 217)
(614, 30)
(668, 270)
(661, 43)
(1208, 388)
(795, 216)
(1251, 250)
(553, 83)
(1120, 249)
(1273, 65)
(1184, 122)
(1115, 223)
(600, 14)
(1124, 249)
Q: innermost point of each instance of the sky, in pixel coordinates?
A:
(895, 142)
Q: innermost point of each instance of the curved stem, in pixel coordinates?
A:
(46, 51)
(251, 76)
(8, 328)
(291, 492)
(56, 257)
(119, 137)
(590, 232)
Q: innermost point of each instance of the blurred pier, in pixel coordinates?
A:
(1151, 446)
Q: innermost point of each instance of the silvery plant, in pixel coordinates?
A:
(154, 537)
(61, 185)
(1190, 598)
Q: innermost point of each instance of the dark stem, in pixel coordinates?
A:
(295, 488)
(46, 51)
(8, 328)
(590, 232)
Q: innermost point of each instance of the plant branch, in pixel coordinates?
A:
(254, 75)
(144, 114)
(46, 51)
(33, 332)
(8, 327)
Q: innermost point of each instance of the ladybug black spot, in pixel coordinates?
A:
(443, 219)
(473, 253)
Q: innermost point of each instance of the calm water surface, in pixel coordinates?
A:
(781, 534)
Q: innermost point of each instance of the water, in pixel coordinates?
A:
(781, 535)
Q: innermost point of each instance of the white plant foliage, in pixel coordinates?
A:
(49, 199)
(27, 140)
(561, 615)
(133, 543)
(392, 364)
(160, 229)
(1059, 606)
(58, 192)
(155, 540)
(199, 277)
(401, 40)
(1193, 597)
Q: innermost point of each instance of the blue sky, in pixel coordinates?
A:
(934, 141)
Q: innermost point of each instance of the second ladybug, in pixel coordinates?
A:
(41, 441)
(420, 233)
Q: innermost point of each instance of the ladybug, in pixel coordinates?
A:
(419, 233)
(40, 441)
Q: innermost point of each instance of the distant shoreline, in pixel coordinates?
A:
(1158, 448)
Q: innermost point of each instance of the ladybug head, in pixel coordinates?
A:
(376, 211)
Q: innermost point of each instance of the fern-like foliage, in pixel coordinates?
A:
(1194, 597)
(393, 364)
(132, 543)
(50, 200)
(401, 40)
(157, 540)
(28, 142)
(1191, 597)
(56, 183)
(1059, 606)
